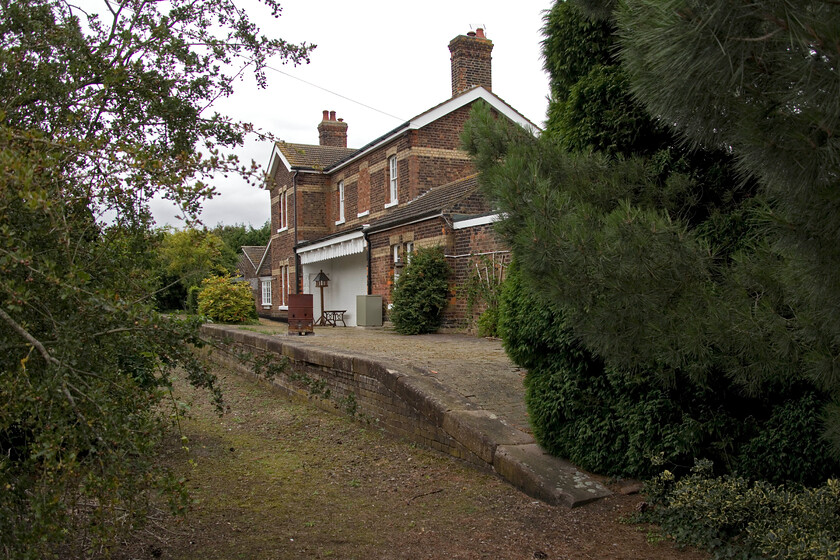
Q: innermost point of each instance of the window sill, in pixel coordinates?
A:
(363, 214)
(283, 307)
(266, 306)
(282, 229)
(339, 222)
(390, 204)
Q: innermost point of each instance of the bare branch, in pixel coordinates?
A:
(29, 338)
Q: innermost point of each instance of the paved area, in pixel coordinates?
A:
(477, 368)
(479, 371)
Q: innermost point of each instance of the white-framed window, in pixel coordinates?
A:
(283, 211)
(392, 181)
(409, 248)
(395, 255)
(266, 291)
(285, 287)
(340, 217)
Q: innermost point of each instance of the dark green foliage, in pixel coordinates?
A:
(239, 235)
(787, 443)
(698, 288)
(600, 420)
(421, 293)
(101, 109)
(591, 106)
(628, 422)
(736, 518)
(761, 78)
(482, 289)
(668, 266)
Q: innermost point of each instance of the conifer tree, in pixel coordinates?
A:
(665, 261)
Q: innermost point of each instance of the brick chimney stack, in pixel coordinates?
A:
(332, 132)
(470, 55)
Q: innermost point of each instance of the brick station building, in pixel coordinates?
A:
(356, 214)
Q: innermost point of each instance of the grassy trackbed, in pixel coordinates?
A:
(275, 480)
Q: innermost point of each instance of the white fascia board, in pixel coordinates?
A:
(333, 241)
(467, 98)
(265, 254)
(480, 221)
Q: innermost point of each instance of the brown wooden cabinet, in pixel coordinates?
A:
(301, 320)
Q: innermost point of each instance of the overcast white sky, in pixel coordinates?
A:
(392, 57)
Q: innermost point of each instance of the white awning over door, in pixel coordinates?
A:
(342, 246)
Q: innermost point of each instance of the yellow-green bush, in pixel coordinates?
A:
(224, 301)
(733, 517)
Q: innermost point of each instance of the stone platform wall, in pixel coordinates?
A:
(414, 407)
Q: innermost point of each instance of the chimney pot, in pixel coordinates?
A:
(470, 33)
(332, 132)
(479, 33)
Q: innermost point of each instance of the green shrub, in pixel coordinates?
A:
(787, 444)
(224, 301)
(616, 422)
(483, 288)
(735, 518)
(420, 294)
(599, 419)
(191, 302)
(488, 322)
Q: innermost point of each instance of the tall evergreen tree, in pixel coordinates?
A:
(761, 79)
(238, 235)
(664, 262)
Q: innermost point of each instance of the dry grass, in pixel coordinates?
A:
(275, 480)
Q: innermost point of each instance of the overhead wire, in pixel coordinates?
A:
(335, 93)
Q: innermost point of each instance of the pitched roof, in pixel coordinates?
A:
(436, 112)
(311, 156)
(430, 203)
(255, 256)
(328, 159)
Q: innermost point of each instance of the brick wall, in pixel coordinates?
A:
(430, 233)
(361, 194)
(410, 407)
(471, 247)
